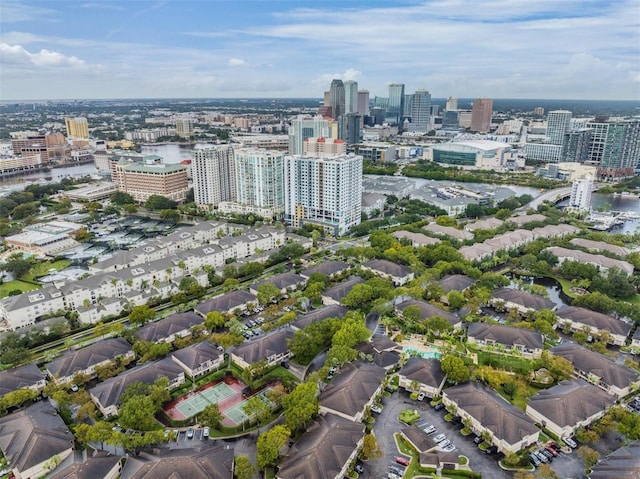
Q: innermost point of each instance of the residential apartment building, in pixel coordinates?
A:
(303, 127)
(213, 175)
(322, 147)
(581, 193)
(615, 147)
(324, 191)
(77, 127)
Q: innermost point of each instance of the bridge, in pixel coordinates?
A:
(554, 196)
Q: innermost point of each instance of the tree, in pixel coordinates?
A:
(158, 203)
(267, 292)
(121, 198)
(270, 444)
(455, 299)
(170, 215)
(546, 472)
(130, 209)
(243, 468)
(17, 397)
(438, 325)
(211, 416)
(215, 320)
(411, 314)
(454, 368)
(257, 409)
(17, 265)
(138, 413)
(589, 456)
(141, 314)
(359, 296)
(300, 406)
(370, 448)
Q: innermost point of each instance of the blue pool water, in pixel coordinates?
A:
(424, 354)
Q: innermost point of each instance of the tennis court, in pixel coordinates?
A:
(237, 414)
(195, 404)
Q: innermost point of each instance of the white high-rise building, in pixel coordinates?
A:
(451, 104)
(259, 179)
(558, 123)
(324, 191)
(303, 127)
(213, 175)
(420, 111)
(581, 193)
(351, 96)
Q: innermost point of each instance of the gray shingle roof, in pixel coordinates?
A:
(110, 391)
(450, 231)
(425, 371)
(528, 300)
(350, 390)
(388, 267)
(507, 335)
(225, 302)
(33, 435)
(419, 438)
(594, 319)
(323, 449)
(340, 290)
(504, 420)
(570, 402)
(281, 281)
(524, 219)
(600, 246)
(274, 343)
(597, 259)
(592, 362)
(20, 377)
(623, 463)
(195, 355)
(429, 311)
(93, 468)
(331, 311)
(211, 463)
(75, 361)
(172, 324)
(456, 282)
(327, 268)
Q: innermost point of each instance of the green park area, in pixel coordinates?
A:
(27, 281)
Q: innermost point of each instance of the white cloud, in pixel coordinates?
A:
(102, 6)
(17, 54)
(237, 62)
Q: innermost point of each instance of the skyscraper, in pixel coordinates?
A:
(420, 111)
(615, 145)
(452, 104)
(213, 175)
(350, 96)
(558, 122)
(395, 107)
(481, 115)
(77, 127)
(324, 191)
(363, 103)
(259, 179)
(406, 108)
(336, 98)
(575, 145)
(581, 193)
(349, 128)
(303, 127)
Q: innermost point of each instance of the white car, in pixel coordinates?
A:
(444, 444)
(205, 432)
(449, 448)
(377, 409)
(421, 396)
(430, 429)
(439, 438)
(570, 442)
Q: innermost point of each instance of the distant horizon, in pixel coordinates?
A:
(165, 49)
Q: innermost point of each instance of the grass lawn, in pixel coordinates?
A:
(522, 394)
(408, 416)
(42, 269)
(6, 288)
(504, 361)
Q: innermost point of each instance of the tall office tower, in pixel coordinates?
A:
(184, 127)
(420, 111)
(350, 96)
(324, 191)
(450, 120)
(349, 128)
(395, 107)
(376, 116)
(303, 127)
(581, 193)
(615, 146)
(481, 115)
(327, 98)
(539, 111)
(336, 98)
(558, 122)
(259, 179)
(363, 103)
(434, 110)
(451, 104)
(406, 107)
(77, 127)
(213, 175)
(575, 145)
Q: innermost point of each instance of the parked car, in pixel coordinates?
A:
(421, 397)
(551, 450)
(546, 453)
(570, 442)
(190, 433)
(542, 457)
(444, 443)
(491, 450)
(205, 432)
(375, 408)
(439, 438)
(74, 388)
(449, 448)
(396, 469)
(358, 468)
(439, 406)
(534, 460)
(430, 429)
(477, 439)
(402, 460)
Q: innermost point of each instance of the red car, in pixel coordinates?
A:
(402, 460)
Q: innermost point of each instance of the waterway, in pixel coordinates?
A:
(602, 202)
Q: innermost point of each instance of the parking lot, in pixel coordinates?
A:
(566, 465)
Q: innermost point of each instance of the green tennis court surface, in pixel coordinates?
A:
(237, 414)
(195, 404)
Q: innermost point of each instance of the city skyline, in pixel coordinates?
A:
(166, 49)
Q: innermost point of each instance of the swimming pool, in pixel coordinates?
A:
(424, 354)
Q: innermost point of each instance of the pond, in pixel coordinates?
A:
(554, 289)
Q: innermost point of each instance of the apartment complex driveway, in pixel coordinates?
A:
(387, 424)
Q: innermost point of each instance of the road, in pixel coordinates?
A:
(551, 195)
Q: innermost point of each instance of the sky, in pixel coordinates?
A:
(544, 49)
